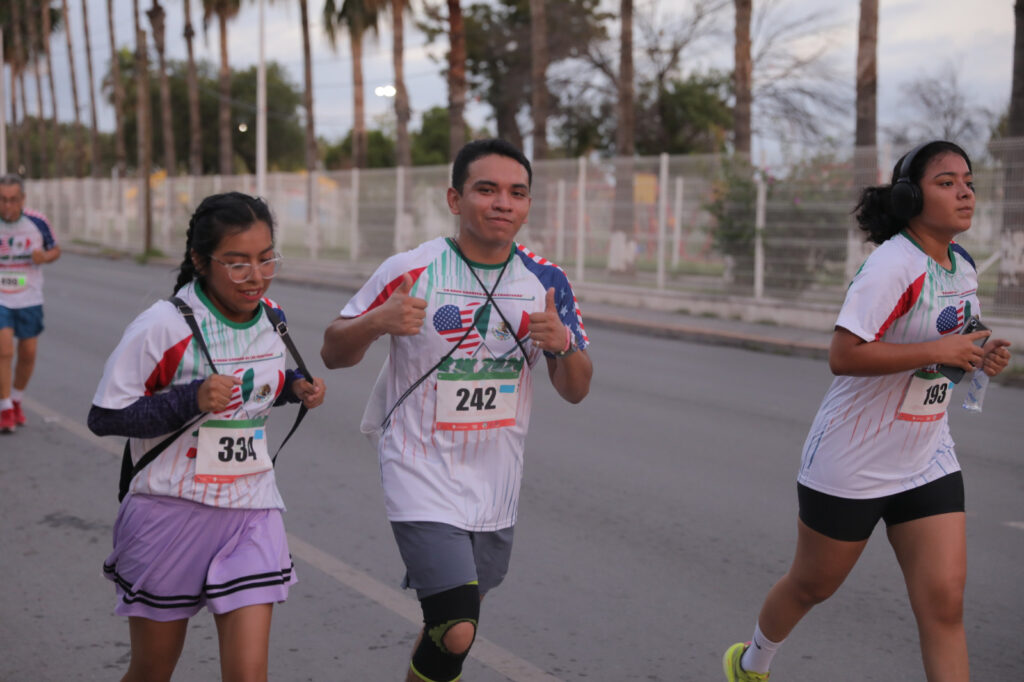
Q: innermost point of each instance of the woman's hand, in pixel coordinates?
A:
(997, 357)
(215, 392)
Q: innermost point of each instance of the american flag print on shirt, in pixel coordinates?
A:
(451, 322)
(950, 318)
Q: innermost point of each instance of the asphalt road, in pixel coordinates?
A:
(655, 516)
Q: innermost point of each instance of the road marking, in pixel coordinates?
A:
(486, 652)
(1019, 525)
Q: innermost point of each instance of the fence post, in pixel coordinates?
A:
(581, 190)
(677, 227)
(662, 217)
(762, 197)
(560, 223)
(353, 253)
(313, 229)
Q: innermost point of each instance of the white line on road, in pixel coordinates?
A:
(1019, 525)
(486, 652)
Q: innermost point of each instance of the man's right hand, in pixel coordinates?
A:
(402, 314)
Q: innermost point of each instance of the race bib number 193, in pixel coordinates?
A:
(927, 397)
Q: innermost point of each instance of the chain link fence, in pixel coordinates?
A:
(699, 225)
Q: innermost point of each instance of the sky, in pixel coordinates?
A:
(916, 38)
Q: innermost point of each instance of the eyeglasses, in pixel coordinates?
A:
(241, 272)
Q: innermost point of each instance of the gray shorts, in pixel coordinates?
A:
(439, 557)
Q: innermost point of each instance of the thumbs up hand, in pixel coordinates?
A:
(546, 329)
(402, 314)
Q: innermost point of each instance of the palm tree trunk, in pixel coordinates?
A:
(456, 79)
(74, 90)
(156, 16)
(94, 137)
(403, 152)
(226, 156)
(538, 78)
(742, 78)
(359, 122)
(622, 249)
(54, 126)
(120, 153)
(195, 143)
(865, 154)
(144, 131)
(1010, 279)
(40, 143)
(307, 99)
(18, 81)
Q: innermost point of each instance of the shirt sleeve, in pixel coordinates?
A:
(146, 359)
(382, 284)
(883, 290)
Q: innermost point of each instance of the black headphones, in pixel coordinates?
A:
(905, 198)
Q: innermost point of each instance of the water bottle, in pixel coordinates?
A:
(976, 391)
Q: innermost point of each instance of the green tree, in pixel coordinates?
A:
(431, 143)
(690, 116)
(380, 152)
(224, 11)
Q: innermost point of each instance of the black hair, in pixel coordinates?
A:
(480, 148)
(217, 216)
(874, 210)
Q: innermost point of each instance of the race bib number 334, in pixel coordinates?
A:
(229, 449)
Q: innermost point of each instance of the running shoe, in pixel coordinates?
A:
(7, 420)
(19, 416)
(734, 672)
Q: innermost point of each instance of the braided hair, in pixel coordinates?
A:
(217, 216)
(874, 210)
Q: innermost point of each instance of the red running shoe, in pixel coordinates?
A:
(19, 416)
(7, 421)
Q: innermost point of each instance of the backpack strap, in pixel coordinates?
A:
(282, 330)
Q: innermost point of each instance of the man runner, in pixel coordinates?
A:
(469, 318)
(26, 242)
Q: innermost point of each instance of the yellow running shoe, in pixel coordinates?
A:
(734, 672)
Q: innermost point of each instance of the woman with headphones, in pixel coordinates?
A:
(880, 447)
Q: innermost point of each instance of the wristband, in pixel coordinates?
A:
(570, 344)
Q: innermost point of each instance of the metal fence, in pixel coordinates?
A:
(706, 225)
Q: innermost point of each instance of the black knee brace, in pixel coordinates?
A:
(432, 661)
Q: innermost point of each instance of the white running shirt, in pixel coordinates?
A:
(857, 446)
(21, 280)
(157, 351)
(430, 470)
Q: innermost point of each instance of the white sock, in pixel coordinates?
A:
(6, 404)
(16, 395)
(758, 656)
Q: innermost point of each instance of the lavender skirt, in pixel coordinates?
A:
(172, 556)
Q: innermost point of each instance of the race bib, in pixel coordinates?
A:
(229, 449)
(927, 397)
(12, 281)
(474, 402)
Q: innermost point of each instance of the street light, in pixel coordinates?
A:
(385, 91)
(242, 127)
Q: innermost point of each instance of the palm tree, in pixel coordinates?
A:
(225, 10)
(1010, 280)
(156, 20)
(47, 30)
(456, 79)
(74, 88)
(742, 78)
(195, 134)
(120, 154)
(94, 143)
(307, 100)
(144, 130)
(17, 61)
(621, 250)
(867, 74)
(33, 45)
(357, 16)
(538, 70)
(403, 152)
